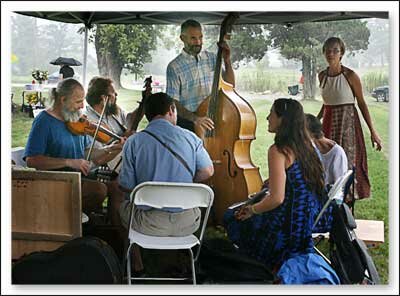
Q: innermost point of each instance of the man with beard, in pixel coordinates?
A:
(117, 121)
(190, 76)
(51, 146)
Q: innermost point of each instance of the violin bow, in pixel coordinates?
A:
(97, 128)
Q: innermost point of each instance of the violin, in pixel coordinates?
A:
(84, 127)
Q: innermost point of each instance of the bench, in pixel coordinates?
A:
(372, 232)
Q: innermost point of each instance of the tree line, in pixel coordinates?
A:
(129, 47)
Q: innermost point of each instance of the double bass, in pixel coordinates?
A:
(228, 144)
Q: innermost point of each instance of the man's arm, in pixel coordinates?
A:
(41, 162)
(107, 153)
(203, 174)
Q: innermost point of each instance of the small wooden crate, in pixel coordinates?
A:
(372, 232)
(46, 210)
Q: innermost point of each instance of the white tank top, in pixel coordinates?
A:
(336, 90)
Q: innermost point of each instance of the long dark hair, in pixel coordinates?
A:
(292, 134)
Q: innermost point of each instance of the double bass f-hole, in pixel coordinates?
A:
(234, 174)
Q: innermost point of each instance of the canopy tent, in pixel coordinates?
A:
(289, 18)
(90, 18)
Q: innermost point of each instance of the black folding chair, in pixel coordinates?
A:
(348, 255)
(293, 90)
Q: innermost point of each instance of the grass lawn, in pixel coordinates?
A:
(373, 208)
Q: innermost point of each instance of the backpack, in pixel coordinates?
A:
(220, 263)
(84, 260)
(349, 255)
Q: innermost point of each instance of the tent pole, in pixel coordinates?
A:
(85, 53)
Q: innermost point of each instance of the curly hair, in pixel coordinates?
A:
(292, 134)
(98, 86)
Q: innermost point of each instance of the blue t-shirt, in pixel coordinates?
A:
(49, 136)
(146, 159)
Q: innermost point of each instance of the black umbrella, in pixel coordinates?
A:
(66, 61)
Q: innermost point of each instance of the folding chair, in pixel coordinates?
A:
(166, 194)
(349, 255)
(349, 189)
(337, 193)
(16, 155)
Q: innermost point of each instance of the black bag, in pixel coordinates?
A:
(85, 260)
(349, 255)
(108, 233)
(220, 263)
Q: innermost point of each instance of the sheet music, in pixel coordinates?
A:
(112, 163)
(252, 198)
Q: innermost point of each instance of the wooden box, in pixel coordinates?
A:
(372, 232)
(46, 210)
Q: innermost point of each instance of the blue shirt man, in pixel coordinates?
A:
(50, 137)
(146, 159)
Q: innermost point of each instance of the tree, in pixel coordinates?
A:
(303, 42)
(35, 45)
(247, 43)
(24, 44)
(124, 46)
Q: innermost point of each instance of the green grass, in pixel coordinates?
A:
(373, 208)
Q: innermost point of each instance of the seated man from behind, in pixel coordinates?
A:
(146, 159)
(52, 146)
(334, 158)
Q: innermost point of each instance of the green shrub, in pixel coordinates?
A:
(373, 79)
(258, 80)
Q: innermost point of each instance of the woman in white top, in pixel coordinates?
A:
(334, 158)
(340, 86)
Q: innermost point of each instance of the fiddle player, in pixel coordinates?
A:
(51, 145)
(117, 121)
(190, 76)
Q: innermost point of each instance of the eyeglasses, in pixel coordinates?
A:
(333, 50)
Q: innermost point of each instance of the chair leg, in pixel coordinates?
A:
(193, 268)
(128, 264)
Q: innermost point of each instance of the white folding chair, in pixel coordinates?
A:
(335, 193)
(166, 194)
(16, 154)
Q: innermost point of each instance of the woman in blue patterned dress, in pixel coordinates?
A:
(280, 225)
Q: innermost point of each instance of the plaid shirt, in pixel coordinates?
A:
(189, 80)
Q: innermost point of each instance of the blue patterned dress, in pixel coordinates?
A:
(285, 231)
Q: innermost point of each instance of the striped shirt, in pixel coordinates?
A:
(189, 78)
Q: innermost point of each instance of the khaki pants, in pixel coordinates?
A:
(161, 223)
